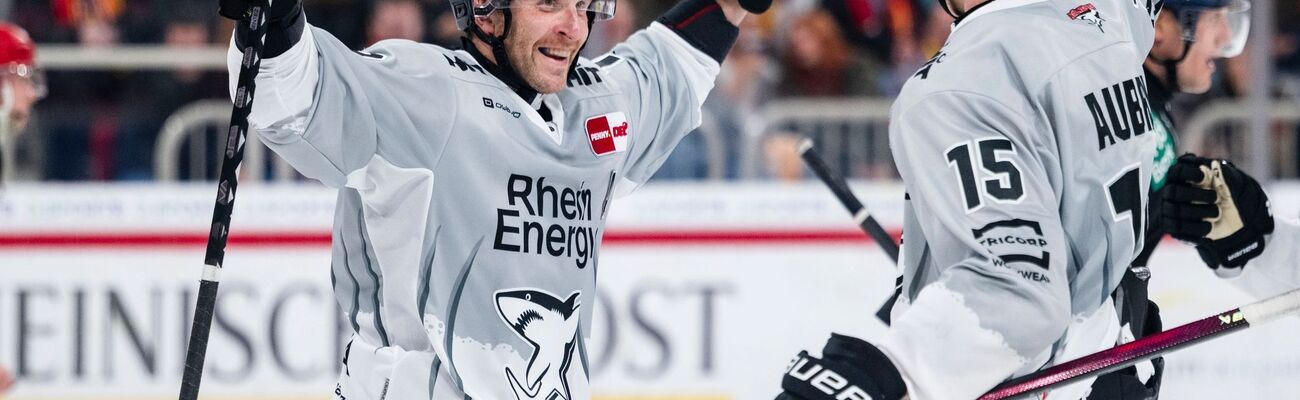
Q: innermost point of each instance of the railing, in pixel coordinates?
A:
(75, 57)
(188, 129)
(1200, 130)
(851, 133)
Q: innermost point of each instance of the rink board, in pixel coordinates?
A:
(706, 291)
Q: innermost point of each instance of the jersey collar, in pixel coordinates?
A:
(503, 74)
(989, 7)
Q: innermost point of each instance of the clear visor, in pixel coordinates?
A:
(1238, 29)
(600, 9)
(31, 74)
(1233, 18)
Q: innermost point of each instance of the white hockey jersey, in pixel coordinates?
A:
(468, 227)
(1025, 152)
(1274, 271)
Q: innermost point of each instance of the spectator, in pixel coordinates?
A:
(395, 19)
(152, 96)
(746, 79)
(820, 62)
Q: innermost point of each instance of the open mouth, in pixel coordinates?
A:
(553, 54)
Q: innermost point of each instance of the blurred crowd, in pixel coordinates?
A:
(103, 124)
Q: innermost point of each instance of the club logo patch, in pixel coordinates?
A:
(607, 133)
(1087, 13)
(550, 325)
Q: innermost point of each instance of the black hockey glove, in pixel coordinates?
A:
(850, 368)
(756, 6)
(285, 23)
(238, 9)
(1219, 208)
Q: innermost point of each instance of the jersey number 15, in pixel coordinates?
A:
(997, 178)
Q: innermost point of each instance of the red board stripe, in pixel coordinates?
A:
(281, 239)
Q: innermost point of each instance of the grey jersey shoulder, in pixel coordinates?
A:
(1009, 54)
(427, 60)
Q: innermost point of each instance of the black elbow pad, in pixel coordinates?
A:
(703, 25)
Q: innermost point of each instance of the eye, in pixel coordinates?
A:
(582, 5)
(549, 5)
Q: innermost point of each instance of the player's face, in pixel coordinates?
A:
(545, 40)
(1196, 72)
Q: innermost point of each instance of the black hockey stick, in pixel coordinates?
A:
(860, 215)
(255, 17)
(1149, 347)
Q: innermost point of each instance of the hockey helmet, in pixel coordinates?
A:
(1235, 12)
(18, 56)
(465, 11)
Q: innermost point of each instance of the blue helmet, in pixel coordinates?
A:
(1236, 13)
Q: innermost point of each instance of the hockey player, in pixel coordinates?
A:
(1227, 215)
(474, 183)
(1189, 36)
(1025, 148)
(21, 85)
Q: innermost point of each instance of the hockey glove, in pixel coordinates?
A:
(285, 23)
(756, 6)
(850, 369)
(238, 9)
(1219, 208)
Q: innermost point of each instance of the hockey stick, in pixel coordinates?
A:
(1149, 347)
(860, 215)
(255, 17)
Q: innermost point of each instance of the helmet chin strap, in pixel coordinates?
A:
(1171, 66)
(503, 69)
(948, 10)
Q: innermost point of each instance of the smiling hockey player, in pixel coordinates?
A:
(1024, 146)
(474, 184)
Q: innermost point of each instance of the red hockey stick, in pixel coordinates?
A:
(1148, 347)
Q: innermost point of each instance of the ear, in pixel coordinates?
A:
(1169, 37)
(490, 25)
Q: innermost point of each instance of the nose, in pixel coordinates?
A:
(574, 24)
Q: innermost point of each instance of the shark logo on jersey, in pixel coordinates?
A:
(1087, 13)
(550, 325)
(608, 133)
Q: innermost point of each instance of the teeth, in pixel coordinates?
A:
(547, 52)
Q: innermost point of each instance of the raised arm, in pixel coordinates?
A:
(664, 73)
(289, 70)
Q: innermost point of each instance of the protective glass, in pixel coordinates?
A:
(601, 9)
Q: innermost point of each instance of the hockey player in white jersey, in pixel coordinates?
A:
(474, 183)
(1024, 146)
